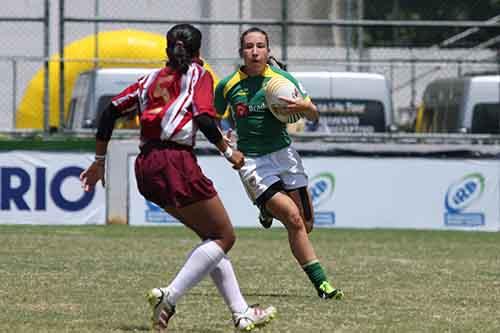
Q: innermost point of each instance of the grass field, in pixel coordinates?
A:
(93, 279)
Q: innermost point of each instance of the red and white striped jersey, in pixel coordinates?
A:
(168, 101)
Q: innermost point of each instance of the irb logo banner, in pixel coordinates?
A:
(364, 192)
(407, 193)
(44, 188)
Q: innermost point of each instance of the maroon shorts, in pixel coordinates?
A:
(171, 177)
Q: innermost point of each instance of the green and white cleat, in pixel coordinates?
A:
(162, 309)
(254, 317)
(326, 291)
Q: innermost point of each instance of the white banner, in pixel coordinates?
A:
(44, 188)
(411, 193)
(227, 182)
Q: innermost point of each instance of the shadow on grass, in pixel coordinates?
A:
(134, 328)
(257, 294)
(139, 328)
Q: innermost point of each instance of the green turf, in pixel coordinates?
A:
(93, 279)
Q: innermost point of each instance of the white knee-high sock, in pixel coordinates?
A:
(225, 279)
(200, 262)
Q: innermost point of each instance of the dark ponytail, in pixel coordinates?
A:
(183, 46)
(280, 64)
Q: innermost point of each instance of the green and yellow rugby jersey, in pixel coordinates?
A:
(259, 132)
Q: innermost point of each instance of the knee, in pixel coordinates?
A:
(231, 239)
(295, 222)
(227, 240)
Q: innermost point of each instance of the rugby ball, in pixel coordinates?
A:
(276, 87)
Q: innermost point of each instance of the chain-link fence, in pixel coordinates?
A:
(314, 35)
(25, 32)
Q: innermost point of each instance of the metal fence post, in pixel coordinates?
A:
(413, 82)
(96, 33)
(14, 91)
(61, 64)
(46, 92)
(284, 30)
(348, 36)
(361, 9)
(391, 75)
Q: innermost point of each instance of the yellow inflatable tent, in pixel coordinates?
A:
(120, 48)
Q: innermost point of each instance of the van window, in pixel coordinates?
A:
(126, 122)
(486, 118)
(349, 116)
(445, 119)
(79, 102)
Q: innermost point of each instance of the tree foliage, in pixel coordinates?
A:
(456, 10)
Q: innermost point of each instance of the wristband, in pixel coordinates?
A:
(100, 158)
(228, 153)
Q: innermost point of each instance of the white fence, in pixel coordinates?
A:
(348, 192)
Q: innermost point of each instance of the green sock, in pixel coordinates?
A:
(315, 273)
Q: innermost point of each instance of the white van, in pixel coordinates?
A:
(94, 90)
(469, 104)
(349, 102)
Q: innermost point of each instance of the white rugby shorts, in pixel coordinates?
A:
(259, 173)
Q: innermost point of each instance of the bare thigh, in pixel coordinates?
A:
(295, 195)
(208, 219)
(282, 207)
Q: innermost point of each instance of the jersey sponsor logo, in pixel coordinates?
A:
(460, 197)
(257, 108)
(241, 110)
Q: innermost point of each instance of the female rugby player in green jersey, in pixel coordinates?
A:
(272, 175)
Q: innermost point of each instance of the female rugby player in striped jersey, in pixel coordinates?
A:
(172, 103)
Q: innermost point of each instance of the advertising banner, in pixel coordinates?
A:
(227, 182)
(44, 188)
(409, 193)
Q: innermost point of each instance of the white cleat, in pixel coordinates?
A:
(255, 316)
(162, 309)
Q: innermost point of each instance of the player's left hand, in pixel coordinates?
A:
(294, 105)
(303, 107)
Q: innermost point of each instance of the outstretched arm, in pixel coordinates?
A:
(209, 128)
(95, 171)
